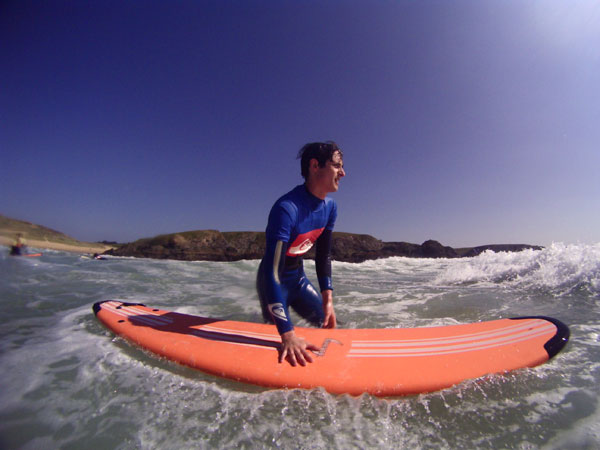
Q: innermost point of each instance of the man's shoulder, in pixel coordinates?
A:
(330, 202)
(299, 199)
(289, 202)
(293, 198)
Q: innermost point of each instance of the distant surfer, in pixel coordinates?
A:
(302, 217)
(18, 246)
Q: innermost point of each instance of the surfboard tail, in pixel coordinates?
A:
(98, 305)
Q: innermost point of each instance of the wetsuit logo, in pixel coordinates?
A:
(304, 242)
(277, 311)
(302, 248)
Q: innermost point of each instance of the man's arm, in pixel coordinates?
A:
(323, 260)
(330, 320)
(293, 347)
(273, 262)
(323, 266)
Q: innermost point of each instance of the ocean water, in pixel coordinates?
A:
(66, 382)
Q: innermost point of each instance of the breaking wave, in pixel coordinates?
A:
(560, 269)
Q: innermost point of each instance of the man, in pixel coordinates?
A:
(18, 246)
(297, 220)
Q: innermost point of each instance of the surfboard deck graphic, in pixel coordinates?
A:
(381, 362)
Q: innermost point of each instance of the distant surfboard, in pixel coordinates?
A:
(382, 362)
(99, 258)
(18, 251)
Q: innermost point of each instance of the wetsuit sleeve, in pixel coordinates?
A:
(278, 232)
(273, 263)
(323, 254)
(323, 260)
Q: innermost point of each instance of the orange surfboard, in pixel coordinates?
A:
(382, 362)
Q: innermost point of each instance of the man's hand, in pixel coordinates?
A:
(296, 349)
(330, 320)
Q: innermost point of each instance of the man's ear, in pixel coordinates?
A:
(313, 164)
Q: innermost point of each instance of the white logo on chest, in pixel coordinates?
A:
(303, 247)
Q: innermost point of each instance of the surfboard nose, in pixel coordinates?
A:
(559, 340)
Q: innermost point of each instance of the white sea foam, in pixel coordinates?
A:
(558, 268)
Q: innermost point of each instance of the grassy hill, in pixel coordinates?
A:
(40, 236)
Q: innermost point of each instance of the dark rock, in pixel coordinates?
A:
(433, 249)
(355, 247)
(401, 249)
(204, 245)
(499, 248)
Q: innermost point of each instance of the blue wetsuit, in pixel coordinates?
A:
(297, 220)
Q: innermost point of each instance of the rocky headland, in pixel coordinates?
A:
(213, 245)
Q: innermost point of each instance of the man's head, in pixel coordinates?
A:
(321, 151)
(322, 167)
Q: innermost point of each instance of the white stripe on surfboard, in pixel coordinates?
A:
(452, 349)
(371, 348)
(548, 328)
(151, 313)
(235, 334)
(142, 316)
(473, 337)
(136, 310)
(155, 320)
(412, 342)
(358, 343)
(204, 334)
(145, 312)
(251, 334)
(143, 320)
(430, 354)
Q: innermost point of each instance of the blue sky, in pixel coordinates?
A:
(468, 122)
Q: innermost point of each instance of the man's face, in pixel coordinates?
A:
(328, 177)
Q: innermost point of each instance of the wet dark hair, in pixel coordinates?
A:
(321, 151)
